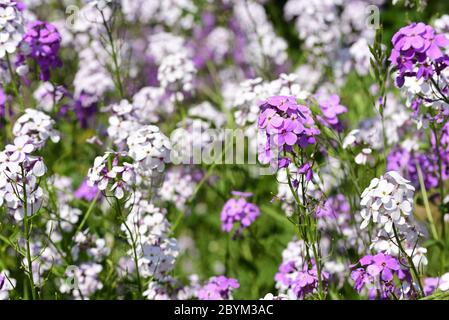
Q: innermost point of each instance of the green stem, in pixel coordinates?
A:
(426, 202)
(440, 181)
(14, 82)
(410, 261)
(116, 71)
(133, 245)
(89, 211)
(27, 232)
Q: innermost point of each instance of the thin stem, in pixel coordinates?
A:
(14, 83)
(27, 237)
(426, 202)
(133, 245)
(440, 180)
(89, 211)
(114, 56)
(410, 261)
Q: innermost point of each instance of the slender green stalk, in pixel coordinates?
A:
(303, 233)
(116, 71)
(27, 232)
(410, 261)
(440, 180)
(133, 245)
(426, 202)
(14, 82)
(89, 211)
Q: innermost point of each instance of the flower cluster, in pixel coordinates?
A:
(301, 282)
(11, 26)
(176, 74)
(388, 202)
(238, 211)
(38, 126)
(286, 124)
(19, 178)
(331, 109)
(406, 163)
(86, 278)
(112, 170)
(377, 274)
(218, 288)
(148, 230)
(150, 149)
(295, 277)
(417, 52)
(179, 186)
(41, 43)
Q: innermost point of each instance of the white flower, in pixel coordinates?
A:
(7, 284)
(38, 126)
(176, 72)
(121, 177)
(418, 257)
(351, 138)
(47, 95)
(11, 27)
(20, 149)
(150, 148)
(444, 282)
(363, 157)
(388, 200)
(150, 229)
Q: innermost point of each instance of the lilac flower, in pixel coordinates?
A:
(41, 42)
(430, 285)
(406, 163)
(218, 288)
(377, 274)
(85, 191)
(380, 264)
(417, 52)
(85, 108)
(301, 281)
(285, 124)
(306, 170)
(238, 211)
(331, 109)
(3, 109)
(333, 208)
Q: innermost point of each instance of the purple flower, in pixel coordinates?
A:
(404, 162)
(306, 170)
(334, 207)
(360, 278)
(331, 109)
(41, 42)
(285, 134)
(238, 211)
(430, 285)
(377, 273)
(418, 46)
(384, 265)
(286, 124)
(85, 191)
(3, 110)
(301, 280)
(218, 288)
(85, 108)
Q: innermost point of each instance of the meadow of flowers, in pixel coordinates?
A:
(224, 149)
